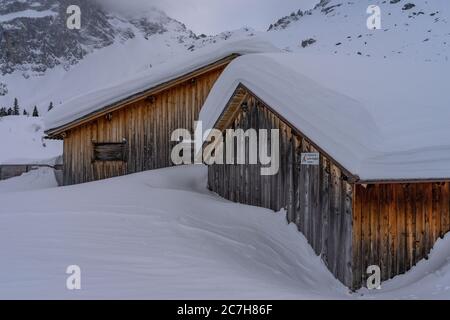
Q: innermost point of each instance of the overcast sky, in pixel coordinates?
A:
(214, 16)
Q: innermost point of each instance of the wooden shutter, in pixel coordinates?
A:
(110, 151)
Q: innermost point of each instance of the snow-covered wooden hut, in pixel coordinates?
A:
(126, 128)
(378, 192)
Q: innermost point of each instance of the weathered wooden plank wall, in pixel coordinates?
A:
(146, 125)
(317, 198)
(350, 225)
(396, 225)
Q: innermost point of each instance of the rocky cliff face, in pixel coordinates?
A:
(41, 60)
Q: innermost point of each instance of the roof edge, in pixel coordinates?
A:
(55, 133)
(351, 177)
(402, 181)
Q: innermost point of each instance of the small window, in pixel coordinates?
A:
(110, 151)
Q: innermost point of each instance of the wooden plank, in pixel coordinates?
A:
(385, 201)
(392, 229)
(347, 234)
(334, 220)
(445, 210)
(357, 236)
(315, 206)
(401, 225)
(204, 72)
(325, 207)
(290, 181)
(421, 210)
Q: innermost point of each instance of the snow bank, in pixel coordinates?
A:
(154, 235)
(380, 120)
(162, 235)
(41, 178)
(430, 279)
(22, 141)
(87, 103)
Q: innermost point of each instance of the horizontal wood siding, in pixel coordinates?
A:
(146, 125)
(396, 226)
(317, 198)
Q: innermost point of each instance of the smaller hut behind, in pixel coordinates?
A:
(378, 194)
(126, 128)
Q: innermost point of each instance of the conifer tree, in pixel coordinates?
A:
(16, 108)
(35, 112)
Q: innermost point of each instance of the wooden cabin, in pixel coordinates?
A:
(351, 222)
(126, 128)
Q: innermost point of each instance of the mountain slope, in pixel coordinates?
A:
(111, 47)
(41, 60)
(34, 36)
(411, 29)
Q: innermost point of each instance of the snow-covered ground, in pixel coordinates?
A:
(156, 234)
(22, 141)
(41, 178)
(161, 234)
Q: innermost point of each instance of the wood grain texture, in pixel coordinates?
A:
(316, 198)
(396, 225)
(146, 125)
(351, 226)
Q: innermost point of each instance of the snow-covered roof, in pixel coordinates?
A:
(83, 105)
(380, 120)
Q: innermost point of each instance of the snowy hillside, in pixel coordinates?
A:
(410, 29)
(131, 45)
(55, 63)
(22, 141)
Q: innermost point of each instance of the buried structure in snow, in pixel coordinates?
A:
(126, 128)
(379, 194)
(366, 201)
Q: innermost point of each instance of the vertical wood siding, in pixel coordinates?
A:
(396, 225)
(147, 126)
(317, 198)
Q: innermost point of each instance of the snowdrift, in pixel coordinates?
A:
(22, 141)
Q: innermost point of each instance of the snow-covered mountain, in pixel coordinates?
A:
(34, 36)
(48, 62)
(42, 61)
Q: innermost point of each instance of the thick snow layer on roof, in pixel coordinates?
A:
(380, 120)
(85, 104)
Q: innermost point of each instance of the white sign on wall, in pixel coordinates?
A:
(310, 159)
